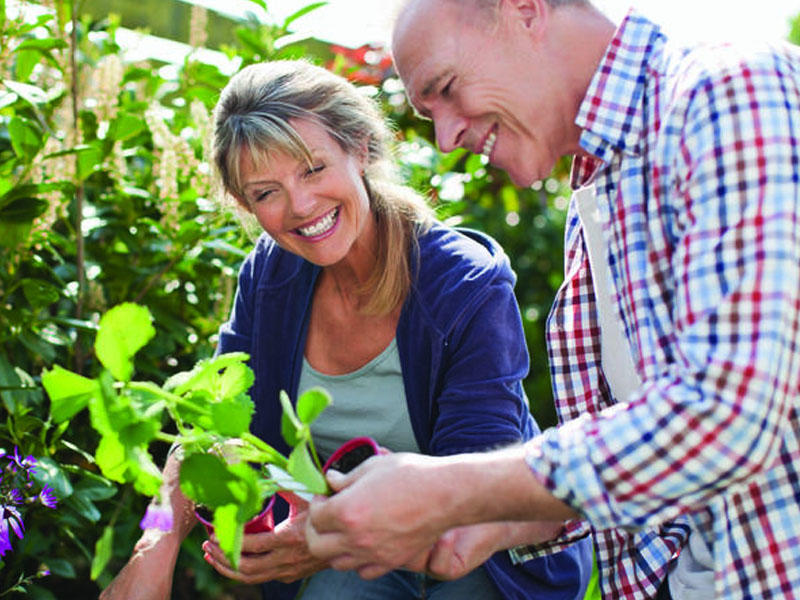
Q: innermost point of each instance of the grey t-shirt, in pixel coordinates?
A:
(369, 401)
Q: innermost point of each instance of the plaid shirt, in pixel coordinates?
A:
(696, 162)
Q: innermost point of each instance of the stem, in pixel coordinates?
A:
(151, 282)
(80, 252)
(314, 455)
(274, 457)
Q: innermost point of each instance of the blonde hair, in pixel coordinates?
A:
(253, 116)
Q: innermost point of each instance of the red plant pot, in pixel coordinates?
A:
(264, 521)
(351, 454)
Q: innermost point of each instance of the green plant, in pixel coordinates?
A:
(210, 411)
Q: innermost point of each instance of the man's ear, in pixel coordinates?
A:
(530, 14)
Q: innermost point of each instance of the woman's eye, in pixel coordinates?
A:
(314, 170)
(262, 195)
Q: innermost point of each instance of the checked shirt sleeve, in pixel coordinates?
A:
(712, 267)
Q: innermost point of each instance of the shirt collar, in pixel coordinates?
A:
(611, 112)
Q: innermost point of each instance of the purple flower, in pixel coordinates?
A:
(15, 496)
(25, 464)
(157, 516)
(48, 497)
(10, 520)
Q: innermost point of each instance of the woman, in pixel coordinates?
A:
(412, 326)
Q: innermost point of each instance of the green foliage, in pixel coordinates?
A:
(106, 198)
(128, 417)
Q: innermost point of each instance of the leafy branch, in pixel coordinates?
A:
(211, 411)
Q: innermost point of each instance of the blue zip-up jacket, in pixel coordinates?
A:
(463, 357)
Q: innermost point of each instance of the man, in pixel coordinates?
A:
(674, 341)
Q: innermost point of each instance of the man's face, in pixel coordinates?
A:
(484, 85)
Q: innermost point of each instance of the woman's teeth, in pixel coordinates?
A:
(321, 226)
(489, 144)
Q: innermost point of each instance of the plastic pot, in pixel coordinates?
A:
(351, 454)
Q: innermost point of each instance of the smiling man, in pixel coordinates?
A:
(674, 341)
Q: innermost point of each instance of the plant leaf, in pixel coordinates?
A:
(232, 416)
(290, 425)
(26, 137)
(229, 532)
(207, 480)
(123, 331)
(69, 392)
(103, 550)
(311, 403)
(301, 466)
(303, 11)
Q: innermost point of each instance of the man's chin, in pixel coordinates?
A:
(523, 180)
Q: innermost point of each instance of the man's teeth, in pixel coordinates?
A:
(321, 226)
(489, 144)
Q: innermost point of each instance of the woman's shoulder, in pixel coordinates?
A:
(458, 253)
(268, 264)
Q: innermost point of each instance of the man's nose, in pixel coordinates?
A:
(450, 130)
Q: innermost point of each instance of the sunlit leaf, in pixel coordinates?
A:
(290, 425)
(110, 457)
(235, 379)
(229, 532)
(123, 331)
(206, 479)
(303, 11)
(103, 550)
(232, 417)
(125, 126)
(30, 93)
(26, 137)
(69, 392)
(301, 466)
(89, 157)
(311, 403)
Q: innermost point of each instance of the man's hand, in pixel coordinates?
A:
(391, 510)
(281, 555)
(386, 514)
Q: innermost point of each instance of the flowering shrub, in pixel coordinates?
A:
(211, 412)
(18, 493)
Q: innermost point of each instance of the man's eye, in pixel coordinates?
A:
(448, 89)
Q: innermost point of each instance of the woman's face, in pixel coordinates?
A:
(319, 211)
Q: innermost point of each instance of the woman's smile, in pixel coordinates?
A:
(320, 228)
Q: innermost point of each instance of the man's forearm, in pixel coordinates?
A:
(495, 486)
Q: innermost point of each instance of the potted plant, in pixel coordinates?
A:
(208, 413)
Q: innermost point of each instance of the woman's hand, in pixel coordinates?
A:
(148, 573)
(281, 555)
